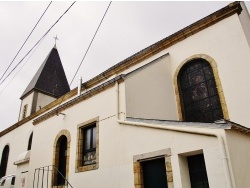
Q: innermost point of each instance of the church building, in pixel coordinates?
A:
(175, 114)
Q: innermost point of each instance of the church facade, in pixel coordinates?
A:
(174, 114)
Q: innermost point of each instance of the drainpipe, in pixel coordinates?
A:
(117, 100)
(79, 87)
(225, 160)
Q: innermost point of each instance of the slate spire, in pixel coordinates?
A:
(50, 78)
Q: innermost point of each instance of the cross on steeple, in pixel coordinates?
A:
(55, 39)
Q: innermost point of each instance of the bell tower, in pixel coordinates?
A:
(48, 84)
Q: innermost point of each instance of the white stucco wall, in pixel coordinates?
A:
(91, 108)
(18, 143)
(43, 100)
(225, 42)
(150, 92)
(117, 145)
(238, 146)
(245, 21)
(26, 101)
(22, 175)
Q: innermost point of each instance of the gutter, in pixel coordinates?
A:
(77, 99)
(230, 183)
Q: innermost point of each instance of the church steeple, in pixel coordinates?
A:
(50, 78)
(48, 83)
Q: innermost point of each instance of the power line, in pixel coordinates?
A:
(88, 48)
(25, 41)
(38, 42)
(20, 68)
(90, 44)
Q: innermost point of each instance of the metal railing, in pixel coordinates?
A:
(43, 177)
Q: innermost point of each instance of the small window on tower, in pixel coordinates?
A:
(25, 111)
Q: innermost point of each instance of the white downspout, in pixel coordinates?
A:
(79, 87)
(225, 160)
(117, 100)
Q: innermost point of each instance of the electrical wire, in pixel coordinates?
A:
(38, 42)
(21, 67)
(87, 49)
(90, 43)
(25, 41)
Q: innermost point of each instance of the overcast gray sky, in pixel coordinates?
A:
(127, 28)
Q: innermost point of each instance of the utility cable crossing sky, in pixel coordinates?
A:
(25, 41)
(88, 47)
(36, 43)
(90, 43)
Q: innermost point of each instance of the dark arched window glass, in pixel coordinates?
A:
(198, 93)
(4, 161)
(30, 141)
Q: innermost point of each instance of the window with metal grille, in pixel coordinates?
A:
(89, 145)
(198, 92)
(197, 171)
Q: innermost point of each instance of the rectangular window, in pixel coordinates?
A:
(25, 110)
(197, 171)
(88, 146)
(13, 180)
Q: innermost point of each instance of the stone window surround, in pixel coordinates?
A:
(79, 167)
(137, 168)
(213, 64)
(56, 155)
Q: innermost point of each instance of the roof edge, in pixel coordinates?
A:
(232, 8)
(225, 12)
(40, 91)
(239, 128)
(222, 124)
(225, 125)
(35, 77)
(46, 113)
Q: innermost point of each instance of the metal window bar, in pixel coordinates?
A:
(45, 173)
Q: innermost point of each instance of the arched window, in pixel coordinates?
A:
(198, 93)
(4, 161)
(30, 142)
